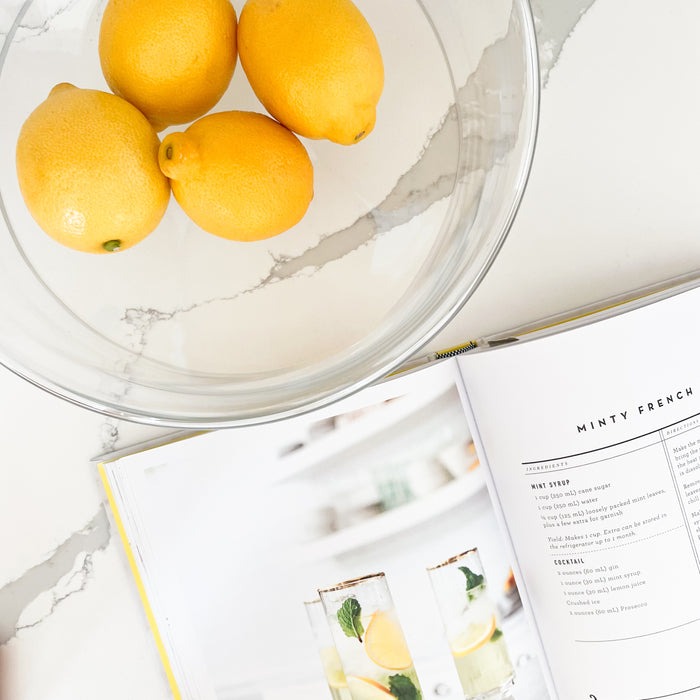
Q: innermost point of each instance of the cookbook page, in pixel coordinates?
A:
(592, 437)
(234, 531)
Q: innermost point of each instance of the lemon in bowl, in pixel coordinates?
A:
(88, 171)
(172, 59)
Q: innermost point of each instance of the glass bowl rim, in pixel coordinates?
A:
(113, 409)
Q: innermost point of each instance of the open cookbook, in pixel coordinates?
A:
(523, 518)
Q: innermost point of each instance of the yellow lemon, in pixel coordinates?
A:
(173, 59)
(87, 165)
(314, 64)
(239, 175)
(385, 643)
(474, 637)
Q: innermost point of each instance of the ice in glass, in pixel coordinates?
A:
(473, 630)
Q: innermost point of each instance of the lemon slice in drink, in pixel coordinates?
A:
(366, 689)
(475, 636)
(385, 643)
(332, 668)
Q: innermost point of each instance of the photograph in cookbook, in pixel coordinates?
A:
(351, 553)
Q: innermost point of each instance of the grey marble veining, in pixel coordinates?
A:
(555, 21)
(428, 181)
(426, 178)
(16, 595)
(27, 26)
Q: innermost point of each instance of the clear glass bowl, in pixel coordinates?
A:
(190, 330)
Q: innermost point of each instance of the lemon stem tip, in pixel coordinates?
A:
(112, 246)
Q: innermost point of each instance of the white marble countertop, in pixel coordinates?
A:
(611, 205)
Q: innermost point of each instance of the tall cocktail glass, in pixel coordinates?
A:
(370, 640)
(473, 629)
(332, 668)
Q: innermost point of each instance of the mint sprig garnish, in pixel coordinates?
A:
(349, 619)
(403, 688)
(497, 634)
(473, 580)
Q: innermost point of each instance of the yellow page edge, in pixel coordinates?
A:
(139, 584)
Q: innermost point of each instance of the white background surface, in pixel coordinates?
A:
(611, 205)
